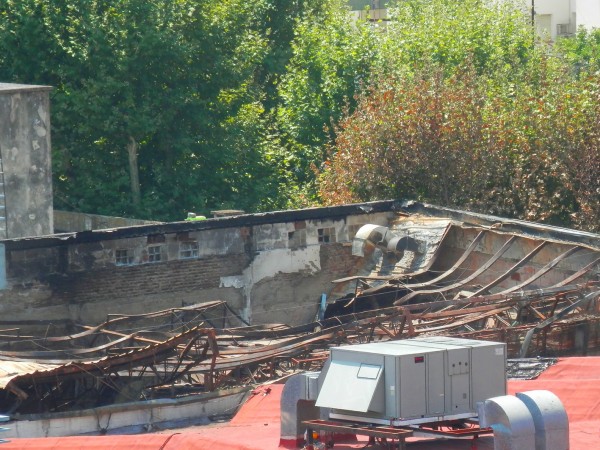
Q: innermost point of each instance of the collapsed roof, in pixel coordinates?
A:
(424, 275)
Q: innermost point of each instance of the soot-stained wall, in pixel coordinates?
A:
(270, 269)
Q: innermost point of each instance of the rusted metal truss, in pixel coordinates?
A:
(114, 361)
(183, 350)
(457, 281)
(504, 317)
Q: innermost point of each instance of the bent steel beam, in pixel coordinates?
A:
(490, 262)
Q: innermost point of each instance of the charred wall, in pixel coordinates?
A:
(271, 267)
(274, 271)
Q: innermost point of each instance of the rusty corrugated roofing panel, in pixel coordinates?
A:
(13, 369)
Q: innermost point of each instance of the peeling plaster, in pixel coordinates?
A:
(15, 100)
(236, 281)
(270, 263)
(43, 115)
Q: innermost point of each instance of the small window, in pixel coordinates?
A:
(156, 239)
(297, 238)
(123, 257)
(154, 253)
(188, 250)
(326, 235)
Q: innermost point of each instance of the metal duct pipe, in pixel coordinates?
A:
(298, 404)
(511, 421)
(383, 238)
(549, 418)
(400, 244)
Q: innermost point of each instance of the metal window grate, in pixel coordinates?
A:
(123, 257)
(154, 254)
(188, 250)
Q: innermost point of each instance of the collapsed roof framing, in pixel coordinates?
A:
(244, 355)
(543, 310)
(460, 279)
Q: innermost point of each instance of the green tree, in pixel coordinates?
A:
(145, 95)
(582, 51)
(332, 58)
(469, 110)
(494, 36)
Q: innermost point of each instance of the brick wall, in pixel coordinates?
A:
(275, 271)
(146, 279)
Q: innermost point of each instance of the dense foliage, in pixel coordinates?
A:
(466, 116)
(157, 107)
(167, 106)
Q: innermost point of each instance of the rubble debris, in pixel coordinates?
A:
(527, 368)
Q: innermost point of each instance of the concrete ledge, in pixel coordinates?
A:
(130, 418)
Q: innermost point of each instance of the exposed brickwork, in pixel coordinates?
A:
(146, 279)
(337, 259)
(256, 268)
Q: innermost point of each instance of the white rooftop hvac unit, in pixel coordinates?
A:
(412, 381)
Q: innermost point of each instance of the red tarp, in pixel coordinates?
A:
(576, 381)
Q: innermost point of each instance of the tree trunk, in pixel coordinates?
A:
(134, 175)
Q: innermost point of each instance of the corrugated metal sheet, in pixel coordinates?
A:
(10, 370)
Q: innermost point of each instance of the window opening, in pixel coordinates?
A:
(188, 250)
(123, 257)
(326, 235)
(154, 253)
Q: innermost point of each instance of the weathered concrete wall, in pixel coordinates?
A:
(25, 153)
(270, 268)
(272, 272)
(129, 418)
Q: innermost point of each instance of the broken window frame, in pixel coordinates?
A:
(188, 250)
(154, 253)
(123, 257)
(326, 235)
(297, 238)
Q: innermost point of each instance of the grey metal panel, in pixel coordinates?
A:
(393, 348)
(436, 392)
(2, 267)
(343, 388)
(413, 388)
(458, 361)
(392, 386)
(487, 364)
(461, 398)
(458, 369)
(312, 385)
(488, 377)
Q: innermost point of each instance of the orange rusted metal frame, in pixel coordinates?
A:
(375, 431)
